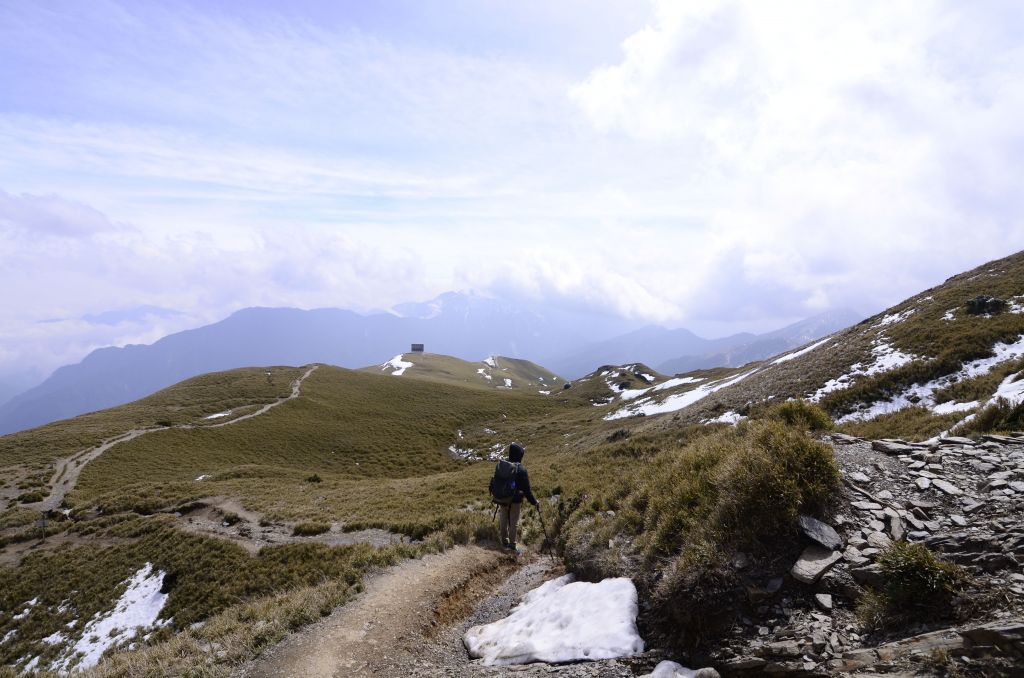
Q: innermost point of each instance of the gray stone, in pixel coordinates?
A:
(958, 440)
(896, 529)
(814, 562)
(892, 447)
(879, 541)
(946, 486)
(819, 532)
(824, 601)
(866, 505)
(859, 477)
(869, 575)
(922, 483)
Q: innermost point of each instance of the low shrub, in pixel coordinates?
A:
(310, 529)
(231, 518)
(910, 423)
(674, 525)
(917, 586)
(799, 414)
(314, 479)
(30, 497)
(1000, 416)
(617, 435)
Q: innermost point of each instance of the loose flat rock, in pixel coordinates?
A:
(892, 447)
(820, 532)
(946, 486)
(813, 563)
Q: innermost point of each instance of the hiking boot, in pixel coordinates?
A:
(511, 545)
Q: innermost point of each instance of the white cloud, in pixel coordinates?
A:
(742, 165)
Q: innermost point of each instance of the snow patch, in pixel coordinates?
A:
(895, 317)
(28, 608)
(218, 415)
(508, 383)
(397, 364)
(676, 401)
(886, 358)
(483, 373)
(490, 361)
(949, 315)
(10, 634)
(726, 418)
(924, 394)
(561, 621)
(667, 669)
(790, 356)
(544, 392)
(205, 476)
(137, 609)
(1012, 389)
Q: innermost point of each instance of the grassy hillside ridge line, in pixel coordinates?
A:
(68, 470)
(495, 372)
(927, 339)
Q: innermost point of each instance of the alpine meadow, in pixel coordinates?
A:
(616, 339)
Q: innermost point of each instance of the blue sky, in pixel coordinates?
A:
(717, 165)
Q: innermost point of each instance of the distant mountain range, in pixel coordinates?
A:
(467, 326)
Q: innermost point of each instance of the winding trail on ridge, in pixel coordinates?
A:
(65, 477)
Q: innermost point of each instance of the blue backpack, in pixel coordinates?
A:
(503, 485)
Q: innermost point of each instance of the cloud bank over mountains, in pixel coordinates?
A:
(722, 166)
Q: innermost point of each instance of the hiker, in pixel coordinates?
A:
(509, 486)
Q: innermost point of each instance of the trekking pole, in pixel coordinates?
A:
(547, 539)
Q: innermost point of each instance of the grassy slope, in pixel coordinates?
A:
(348, 427)
(524, 374)
(186, 402)
(942, 346)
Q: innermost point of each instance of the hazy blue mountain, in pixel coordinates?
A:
(651, 345)
(467, 326)
(765, 345)
(570, 342)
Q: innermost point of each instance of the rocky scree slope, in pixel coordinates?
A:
(961, 498)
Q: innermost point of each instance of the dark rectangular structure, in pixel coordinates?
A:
(417, 348)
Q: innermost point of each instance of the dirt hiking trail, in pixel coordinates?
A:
(409, 621)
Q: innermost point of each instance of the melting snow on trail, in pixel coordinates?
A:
(924, 394)
(137, 609)
(676, 401)
(561, 621)
(786, 358)
(397, 364)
